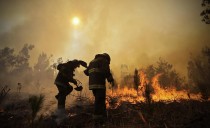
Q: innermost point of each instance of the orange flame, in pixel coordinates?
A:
(134, 96)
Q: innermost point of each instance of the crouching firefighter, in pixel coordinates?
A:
(98, 71)
(65, 75)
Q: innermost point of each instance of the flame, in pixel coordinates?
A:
(119, 95)
(170, 94)
(122, 95)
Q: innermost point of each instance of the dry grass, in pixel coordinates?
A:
(182, 114)
(3, 93)
(36, 103)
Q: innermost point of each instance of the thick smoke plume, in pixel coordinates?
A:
(135, 32)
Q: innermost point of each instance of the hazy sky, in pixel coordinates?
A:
(133, 32)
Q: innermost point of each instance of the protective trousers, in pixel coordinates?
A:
(63, 91)
(100, 114)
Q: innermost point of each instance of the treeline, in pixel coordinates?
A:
(199, 72)
(15, 67)
(168, 76)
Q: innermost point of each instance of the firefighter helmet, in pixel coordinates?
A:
(107, 56)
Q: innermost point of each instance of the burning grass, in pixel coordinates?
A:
(166, 95)
(126, 108)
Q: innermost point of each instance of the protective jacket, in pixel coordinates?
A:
(98, 71)
(66, 72)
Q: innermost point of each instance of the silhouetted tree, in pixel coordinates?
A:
(7, 62)
(22, 68)
(169, 77)
(22, 59)
(13, 65)
(150, 72)
(206, 12)
(148, 93)
(136, 80)
(42, 63)
(128, 81)
(42, 69)
(163, 68)
(199, 72)
(55, 64)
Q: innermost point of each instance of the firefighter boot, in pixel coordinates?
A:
(60, 114)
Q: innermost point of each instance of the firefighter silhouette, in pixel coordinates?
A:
(65, 75)
(98, 71)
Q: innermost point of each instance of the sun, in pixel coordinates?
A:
(75, 21)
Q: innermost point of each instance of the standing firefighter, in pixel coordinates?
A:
(98, 71)
(65, 75)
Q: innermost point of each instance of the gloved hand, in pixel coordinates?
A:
(110, 79)
(83, 63)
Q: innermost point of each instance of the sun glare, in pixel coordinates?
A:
(75, 21)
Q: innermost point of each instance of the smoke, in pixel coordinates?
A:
(135, 32)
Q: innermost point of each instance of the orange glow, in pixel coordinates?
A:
(133, 96)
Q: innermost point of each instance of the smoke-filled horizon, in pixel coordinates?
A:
(134, 32)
